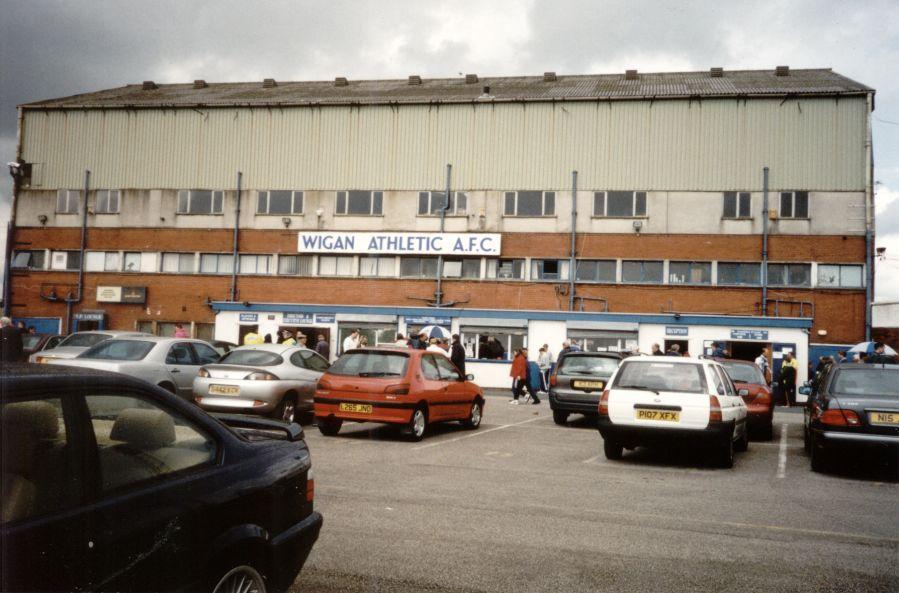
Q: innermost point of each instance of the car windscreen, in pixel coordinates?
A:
(661, 376)
(587, 365)
(253, 358)
(744, 373)
(30, 340)
(371, 364)
(867, 382)
(119, 350)
(83, 340)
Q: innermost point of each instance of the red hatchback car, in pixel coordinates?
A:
(412, 388)
(751, 385)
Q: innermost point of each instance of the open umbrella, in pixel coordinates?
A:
(435, 331)
(868, 348)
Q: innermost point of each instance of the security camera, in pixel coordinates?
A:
(319, 212)
(286, 222)
(638, 224)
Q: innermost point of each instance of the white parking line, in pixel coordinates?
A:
(592, 459)
(782, 457)
(474, 434)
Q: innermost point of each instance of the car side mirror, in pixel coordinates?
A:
(743, 392)
(469, 377)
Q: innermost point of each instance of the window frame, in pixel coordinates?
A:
(470, 336)
(218, 266)
(423, 261)
(194, 266)
(544, 194)
(71, 196)
(792, 195)
(294, 194)
(380, 260)
(375, 197)
(740, 199)
(495, 263)
(31, 254)
(636, 196)
(337, 259)
(256, 259)
(741, 265)
(642, 263)
(840, 267)
(108, 200)
(596, 267)
(538, 274)
(691, 266)
(284, 257)
(215, 194)
(453, 210)
(785, 277)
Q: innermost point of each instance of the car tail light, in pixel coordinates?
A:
(714, 409)
(310, 486)
(398, 389)
(840, 418)
(553, 379)
(604, 403)
(261, 376)
(202, 373)
(323, 385)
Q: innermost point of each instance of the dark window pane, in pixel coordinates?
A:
(652, 271)
(549, 203)
(728, 273)
(378, 205)
(471, 268)
(530, 203)
(679, 272)
(423, 203)
(800, 204)
(745, 205)
(786, 204)
(461, 202)
(73, 261)
(359, 202)
(640, 204)
(730, 204)
(429, 267)
(341, 202)
(631, 271)
(751, 274)
(287, 264)
(800, 275)
(599, 203)
(280, 202)
(586, 271)
(437, 199)
(217, 200)
(262, 203)
(182, 201)
(410, 266)
(777, 274)
(200, 202)
(620, 203)
(298, 202)
(510, 204)
(605, 271)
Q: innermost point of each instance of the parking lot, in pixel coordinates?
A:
(524, 505)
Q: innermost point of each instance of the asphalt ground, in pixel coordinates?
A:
(523, 505)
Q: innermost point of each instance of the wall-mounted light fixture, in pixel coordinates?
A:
(42, 218)
(638, 226)
(286, 221)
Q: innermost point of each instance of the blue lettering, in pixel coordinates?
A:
(311, 242)
(327, 242)
(393, 243)
(472, 244)
(436, 244)
(458, 246)
(349, 243)
(373, 244)
(486, 246)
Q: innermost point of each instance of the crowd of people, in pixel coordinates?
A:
(289, 338)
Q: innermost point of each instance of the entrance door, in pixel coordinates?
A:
(746, 350)
(777, 358)
(244, 330)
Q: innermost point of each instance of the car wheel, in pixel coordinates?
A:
(417, 426)
(725, 452)
(613, 449)
(243, 578)
(286, 410)
(168, 387)
(743, 444)
(329, 426)
(560, 417)
(474, 416)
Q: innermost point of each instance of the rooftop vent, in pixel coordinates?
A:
(200, 84)
(149, 85)
(341, 81)
(716, 72)
(782, 71)
(471, 79)
(631, 75)
(415, 79)
(269, 83)
(549, 77)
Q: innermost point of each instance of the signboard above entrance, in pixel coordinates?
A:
(749, 334)
(471, 244)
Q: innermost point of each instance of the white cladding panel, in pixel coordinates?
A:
(709, 145)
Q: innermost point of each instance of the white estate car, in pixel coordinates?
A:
(657, 399)
(75, 344)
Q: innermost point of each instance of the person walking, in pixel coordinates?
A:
(180, 332)
(519, 374)
(351, 341)
(322, 347)
(457, 354)
(11, 337)
(761, 361)
(789, 369)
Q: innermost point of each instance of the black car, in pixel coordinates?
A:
(853, 407)
(110, 483)
(577, 382)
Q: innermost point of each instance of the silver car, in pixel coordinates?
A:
(78, 342)
(276, 380)
(171, 363)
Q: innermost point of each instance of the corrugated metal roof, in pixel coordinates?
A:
(455, 90)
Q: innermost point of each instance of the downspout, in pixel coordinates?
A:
(438, 296)
(80, 288)
(11, 226)
(235, 263)
(764, 278)
(571, 268)
(869, 218)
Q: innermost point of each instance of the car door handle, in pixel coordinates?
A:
(176, 370)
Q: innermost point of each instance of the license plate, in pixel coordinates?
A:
(224, 390)
(663, 415)
(357, 408)
(889, 418)
(588, 384)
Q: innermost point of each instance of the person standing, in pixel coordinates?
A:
(789, 369)
(457, 354)
(879, 356)
(351, 341)
(545, 363)
(674, 350)
(841, 357)
(11, 342)
(401, 341)
(657, 351)
(322, 347)
(180, 332)
(287, 338)
(423, 341)
(575, 347)
(519, 374)
(761, 361)
(718, 350)
(566, 348)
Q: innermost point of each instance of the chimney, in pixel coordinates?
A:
(471, 79)
(341, 81)
(631, 75)
(716, 72)
(269, 83)
(200, 84)
(782, 71)
(414, 79)
(549, 77)
(149, 85)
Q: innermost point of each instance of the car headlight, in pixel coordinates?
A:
(261, 376)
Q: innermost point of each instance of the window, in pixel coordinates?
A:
(280, 202)
(255, 264)
(790, 274)
(376, 265)
(737, 204)
(645, 272)
(205, 331)
(131, 262)
(335, 265)
(493, 343)
(840, 276)
(65, 260)
(689, 272)
(659, 375)
(107, 201)
(138, 441)
(374, 333)
(431, 202)
(603, 341)
(418, 267)
(462, 268)
(30, 260)
(530, 203)
(295, 265)
(216, 263)
(205, 354)
(448, 371)
(67, 201)
(200, 201)
(360, 203)
(549, 269)
(591, 270)
(102, 261)
(505, 269)
(429, 368)
(794, 204)
(619, 204)
(307, 359)
(739, 273)
(182, 263)
(180, 353)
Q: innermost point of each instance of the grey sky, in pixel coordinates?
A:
(57, 48)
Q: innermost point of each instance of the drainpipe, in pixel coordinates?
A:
(869, 219)
(438, 296)
(235, 262)
(571, 268)
(764, 277)
(11, 225)
(80, 289)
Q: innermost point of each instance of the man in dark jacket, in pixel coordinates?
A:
(457, 354)
(12, 342)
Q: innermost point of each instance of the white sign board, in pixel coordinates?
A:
(458, 244)
(109, 294)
